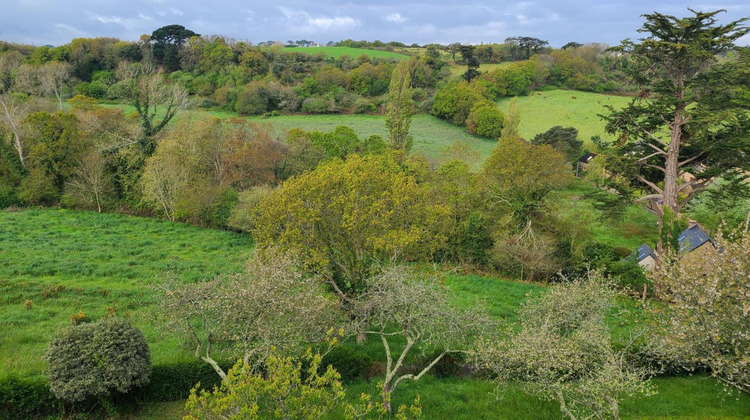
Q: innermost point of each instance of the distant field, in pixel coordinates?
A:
(542, 110)
(459, 69)
(337, 52)
(431, 134)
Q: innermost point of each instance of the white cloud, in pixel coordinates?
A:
(304, 22)
(525, 20)
(328, 22)
(106, 19)
(396, 18)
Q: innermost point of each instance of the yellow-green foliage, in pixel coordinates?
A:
(523, 173)
(485, 119)
(454, 102)
(346, 216)
(289, 389)
(284, 392)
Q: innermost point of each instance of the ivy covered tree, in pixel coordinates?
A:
(691, 116)
(563, 139)
(468, 54)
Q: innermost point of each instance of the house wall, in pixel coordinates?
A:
(647, 263)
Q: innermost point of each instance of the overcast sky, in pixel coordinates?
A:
(56, 22)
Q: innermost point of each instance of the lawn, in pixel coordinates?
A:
(569, 108)
(66, 261)
(336, 52)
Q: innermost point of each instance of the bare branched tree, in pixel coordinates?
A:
(563, 352)
(401, 304)
(90, 183)
(271, 305)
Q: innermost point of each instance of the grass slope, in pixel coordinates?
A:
(541, 111)
(110, 260)
(459, 69)
(69, 261)
(336, 52)
(431, 134)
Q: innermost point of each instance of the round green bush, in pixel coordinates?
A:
(98, 360)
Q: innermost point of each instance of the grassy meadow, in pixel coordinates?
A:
(336, 52)
(689, 397)
(67, 261)
(541, 111)
(64, 261)
(459, 69)
(431, 134)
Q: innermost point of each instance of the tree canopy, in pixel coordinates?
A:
(688, 118)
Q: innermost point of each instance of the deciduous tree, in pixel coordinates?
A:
(400, 107)
(400, 304)
(563, 352)
(271, 305)
(349, 218)
(706, 321)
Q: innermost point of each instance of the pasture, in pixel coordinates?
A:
(69, 261)
(431, 134)
(459, 69)
(336, 52)
(541, 111)
(65, 262)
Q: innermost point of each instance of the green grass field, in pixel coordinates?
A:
(431, 134)
(69, 261)
(638, 224)
(541, 111)
(336, 52)
(689, 397)
(459, 69)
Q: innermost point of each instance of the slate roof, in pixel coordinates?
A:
(692, 238)
(587, 157)
(645, 251)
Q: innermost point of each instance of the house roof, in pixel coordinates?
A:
(645, 251)
(692, 238)
(587, 157)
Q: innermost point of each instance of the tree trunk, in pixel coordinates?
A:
(387, 398)
(215, 366)
(563, 406)
(361, 335)
(614, 406)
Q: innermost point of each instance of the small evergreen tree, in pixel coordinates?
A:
(98, 360)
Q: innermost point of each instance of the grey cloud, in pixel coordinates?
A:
(58, 21)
